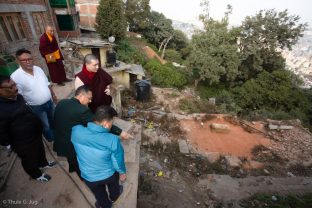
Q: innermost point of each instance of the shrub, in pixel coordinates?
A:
(165, 75)
(173, 56)
(129, 54)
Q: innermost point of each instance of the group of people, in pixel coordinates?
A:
(81, 128)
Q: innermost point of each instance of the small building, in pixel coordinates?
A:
(89, 45)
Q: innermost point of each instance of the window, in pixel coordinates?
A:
(11, 26)
(39, 22)
(65, 22)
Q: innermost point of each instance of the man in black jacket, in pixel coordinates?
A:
(22, 129)
(69, 113)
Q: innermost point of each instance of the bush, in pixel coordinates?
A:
(274, 95)
(173, 56)
(129, 54)
(206, 91)
(165, 75)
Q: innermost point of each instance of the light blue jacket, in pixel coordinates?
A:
(99, 152)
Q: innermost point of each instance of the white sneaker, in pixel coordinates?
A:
(44, 178)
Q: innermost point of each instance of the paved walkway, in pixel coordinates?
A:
(65, 189)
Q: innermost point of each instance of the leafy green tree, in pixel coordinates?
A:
(159, 28)
(110, 19)
(179, 40)
(262, 39)
(137, 13)
(214, 56)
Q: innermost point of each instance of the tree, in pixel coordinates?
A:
(262, 39)
(214, 56)
(158, 29)
(179, 40)
(110, 19)
(137, 13)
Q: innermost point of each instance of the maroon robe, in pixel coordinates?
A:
(56, 70)
(97, 85)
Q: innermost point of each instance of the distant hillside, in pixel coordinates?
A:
(187, 28)
(299, 60)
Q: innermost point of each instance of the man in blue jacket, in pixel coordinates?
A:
(100, 156)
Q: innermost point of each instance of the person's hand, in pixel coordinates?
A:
(125, 136)
(107, 90)
(122, 177)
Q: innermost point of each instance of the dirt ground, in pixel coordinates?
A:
(237, 142)
(169, 178)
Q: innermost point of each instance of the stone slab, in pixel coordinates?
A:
(183, 147)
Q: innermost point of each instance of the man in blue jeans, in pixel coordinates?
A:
(33, 85)
(100, 156)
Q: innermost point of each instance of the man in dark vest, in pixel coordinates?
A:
(50, 51)
(22, 129)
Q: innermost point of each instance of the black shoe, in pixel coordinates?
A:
(61, 84)
(68, 80)
(97, 205)
(51, 164)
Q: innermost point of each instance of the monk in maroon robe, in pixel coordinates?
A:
(48, 45)
(97, 80)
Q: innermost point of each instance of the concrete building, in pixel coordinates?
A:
(87, 10)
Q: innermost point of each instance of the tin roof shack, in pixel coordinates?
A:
(87, 45)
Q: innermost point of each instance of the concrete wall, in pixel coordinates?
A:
(121, 78)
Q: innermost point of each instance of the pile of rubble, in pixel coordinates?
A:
(293, 145)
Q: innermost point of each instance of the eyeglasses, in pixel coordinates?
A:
(26, 60)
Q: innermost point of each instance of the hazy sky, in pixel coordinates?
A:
(188, 10)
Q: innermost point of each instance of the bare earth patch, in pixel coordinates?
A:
(237, 141)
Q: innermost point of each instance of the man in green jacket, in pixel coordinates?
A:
(69, 113)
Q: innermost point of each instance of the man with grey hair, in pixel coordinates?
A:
(98, 81)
